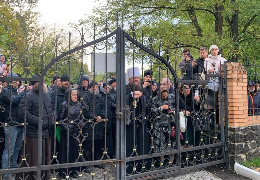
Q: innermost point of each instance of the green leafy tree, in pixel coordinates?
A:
(233, 25)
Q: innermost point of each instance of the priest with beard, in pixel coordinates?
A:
(137, 137)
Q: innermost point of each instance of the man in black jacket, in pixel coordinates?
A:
(10, 99)
(200, 63)
(60, 93)
(54, 83)
(29, 108)
(95, 121)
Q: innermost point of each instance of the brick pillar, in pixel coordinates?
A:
(244, 130)
(237, 95)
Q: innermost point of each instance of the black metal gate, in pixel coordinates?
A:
(154, 132)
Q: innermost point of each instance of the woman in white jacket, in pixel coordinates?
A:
(212, 66)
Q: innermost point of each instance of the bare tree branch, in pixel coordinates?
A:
(154, 7)
(201, 9)
(249, 22)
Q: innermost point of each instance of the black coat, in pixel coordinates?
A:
(187, 70)
(69, 117)
(60, 98)
(188, 103)
(163, 114)
(148, 91)
(96, 106)
(30, 106)
(108, 109)
(9, 95)
(136, 124)
(112, 94)
(82, 92)
(200, 65)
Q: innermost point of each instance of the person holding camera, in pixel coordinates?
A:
(188, 66)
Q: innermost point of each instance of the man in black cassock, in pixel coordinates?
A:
(137, 137)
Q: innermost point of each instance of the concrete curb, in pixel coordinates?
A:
(246, 172)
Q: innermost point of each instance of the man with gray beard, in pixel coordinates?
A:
(137, 135)
(94, 121)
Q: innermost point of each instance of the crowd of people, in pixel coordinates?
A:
(79, 122)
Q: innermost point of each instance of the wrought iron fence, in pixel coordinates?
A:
(150, 124)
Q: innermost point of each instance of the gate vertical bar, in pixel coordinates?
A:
(226, 158)
(120, 104)
(40, 129)
(177, 122)
(221, 113)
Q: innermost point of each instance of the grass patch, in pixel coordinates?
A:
(252, 163)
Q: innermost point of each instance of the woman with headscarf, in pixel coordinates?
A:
(70, 119)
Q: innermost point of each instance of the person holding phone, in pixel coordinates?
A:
(188, 66)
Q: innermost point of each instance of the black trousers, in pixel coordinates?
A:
(31, 150)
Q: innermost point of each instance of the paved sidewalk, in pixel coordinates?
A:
(210, 173)
(197, 175)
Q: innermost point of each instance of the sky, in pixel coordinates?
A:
(61, 12)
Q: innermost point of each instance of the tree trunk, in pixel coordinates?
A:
(219, 19)
(235, 33)
(194, 20)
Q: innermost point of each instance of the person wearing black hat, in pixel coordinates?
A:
(60, 93)
(83, 86)
(55, 82)
(112, 83)
(147, 83)
(29, 108)
(96, 104)
(253, 99)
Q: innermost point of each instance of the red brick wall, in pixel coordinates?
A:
(237, 97)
